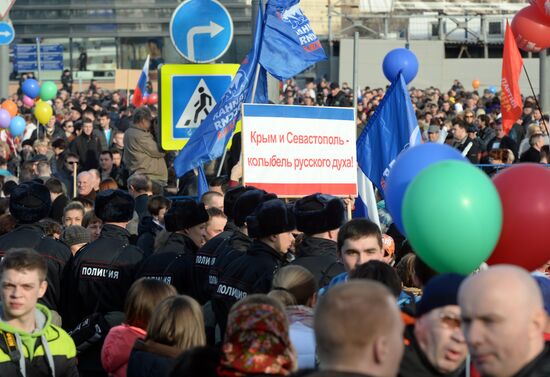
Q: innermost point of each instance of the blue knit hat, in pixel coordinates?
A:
(441, 290)
(544, 285)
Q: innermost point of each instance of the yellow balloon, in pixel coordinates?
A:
(43, 112)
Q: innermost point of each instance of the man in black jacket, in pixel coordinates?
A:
(102, 272)
(271, 226)
(319, 217)
(503, 318)
(29, 203)
(173, 263)
(234, 245)
(434, 344)
(87, 146)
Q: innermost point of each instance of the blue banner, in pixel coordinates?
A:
(210, 139)
(392, 128)
(290, 45)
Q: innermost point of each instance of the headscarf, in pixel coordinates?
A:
(257, 342)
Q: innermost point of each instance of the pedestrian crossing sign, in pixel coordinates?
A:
(188, 92)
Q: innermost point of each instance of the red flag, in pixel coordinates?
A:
(510, 97)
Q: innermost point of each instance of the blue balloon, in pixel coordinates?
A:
(407, 166)
(492, 89)
(400, 60)
(31, 88)
(17, 126)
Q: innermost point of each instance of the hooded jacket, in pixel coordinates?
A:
(45, 349)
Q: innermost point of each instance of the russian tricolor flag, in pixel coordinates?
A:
(140, 91)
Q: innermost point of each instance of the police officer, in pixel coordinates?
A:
(239, 241)
(206, 255)
(319, 217)
(271, 226)
(30, 202)
(102, 272)
(173, 263)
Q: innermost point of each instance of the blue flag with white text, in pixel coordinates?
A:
(289, 45)
(210, 139)
(392, 128)
(202, 184)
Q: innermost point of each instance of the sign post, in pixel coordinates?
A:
(201, 30)
(294, 151)
(7, 33)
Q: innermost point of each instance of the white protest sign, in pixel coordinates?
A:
(295, 151)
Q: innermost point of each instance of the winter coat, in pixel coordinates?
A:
(250, 273)
(88, 149)
(117, 347)
(60, 347)
(173, 264)
(142, 155)
(302, 335)
(57, 255)
(151, 359)
(318, 255)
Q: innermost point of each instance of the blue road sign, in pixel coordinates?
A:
(201, 30)
(25, 57)
(188, 92)
(7, 33)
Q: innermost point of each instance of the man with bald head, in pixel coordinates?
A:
(503, 319)
(358, 330)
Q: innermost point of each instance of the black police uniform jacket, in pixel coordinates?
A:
(173, 264)
(57, 255)
(205, 257)
(230, 249)
(250, 273)
(100, 276)
(415, 363)
(318, 255)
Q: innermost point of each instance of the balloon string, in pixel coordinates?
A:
(535, 96)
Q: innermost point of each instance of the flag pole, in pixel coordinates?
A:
(536, 99)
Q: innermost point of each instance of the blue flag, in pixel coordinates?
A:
(289, 45)
(202, 185)
(391, 129)
(210, 139)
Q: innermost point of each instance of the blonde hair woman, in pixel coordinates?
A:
(176, 325)
(296, 288)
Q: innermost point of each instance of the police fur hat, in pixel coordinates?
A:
(270, 218)
(247, 203)
(114, 206)
(231, 197)
(319, 213)
(185, 214)
(30, 202)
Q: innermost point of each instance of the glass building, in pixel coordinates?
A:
(104, 35)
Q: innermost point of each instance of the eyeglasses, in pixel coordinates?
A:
(72, 162)
(468, 116)
(450, 321)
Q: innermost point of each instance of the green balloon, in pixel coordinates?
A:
(453, 216)
(48, 91)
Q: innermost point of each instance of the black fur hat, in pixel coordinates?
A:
(319, 213)
(185, 214)
(270, 218)
(114, 206)
(30, 202)
(247, 203)
(230, 198)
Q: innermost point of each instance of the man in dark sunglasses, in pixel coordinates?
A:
(434, 344)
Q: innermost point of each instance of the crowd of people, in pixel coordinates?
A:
(105, 272)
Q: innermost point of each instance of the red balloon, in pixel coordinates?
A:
(543, 7)
(524, 190)
(531, 30)
(153, 99)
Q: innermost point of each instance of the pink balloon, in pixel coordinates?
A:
(28, 101)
